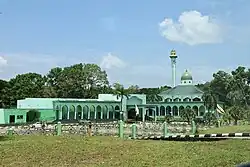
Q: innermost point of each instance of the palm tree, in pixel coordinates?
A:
(120, 92)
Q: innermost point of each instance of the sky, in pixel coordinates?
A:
(130, 40)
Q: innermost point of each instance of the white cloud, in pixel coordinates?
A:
(3, 61)
(111, 61)
(19, 63)
(192, 28)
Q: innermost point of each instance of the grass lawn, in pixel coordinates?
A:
(53, 151)
(228, 129)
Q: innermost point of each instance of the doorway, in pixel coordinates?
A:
(12, 119)
(132, 114)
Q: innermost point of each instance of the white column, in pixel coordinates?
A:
(143, 114)
(60, 113)
(82, 112)
(68, 114)
(75, 115)
(155, 114)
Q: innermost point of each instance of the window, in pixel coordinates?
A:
(20, 117)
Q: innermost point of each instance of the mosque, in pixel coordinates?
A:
(107, 107)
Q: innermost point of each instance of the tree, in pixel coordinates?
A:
(165, 87)
(237, 113)
(219, 86)
(78, 81)
(25, 85)
(210, 100)
(236, 110)
(239, 83)
(204, 87)
(238, 95)
(152, 94)
(209, 117)
(120, 92)
(210, 103)
(134, 89)
(32, 115)
(187, 114)
(4, 94)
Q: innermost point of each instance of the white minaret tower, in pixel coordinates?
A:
(173, 57)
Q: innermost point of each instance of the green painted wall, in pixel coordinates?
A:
(18, 115)
(47, 115)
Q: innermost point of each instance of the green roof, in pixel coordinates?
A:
(182, 90)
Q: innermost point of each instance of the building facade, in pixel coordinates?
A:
(108, 107)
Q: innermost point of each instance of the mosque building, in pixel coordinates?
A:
(107, 107)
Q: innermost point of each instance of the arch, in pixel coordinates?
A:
(79, 112)
(57, 112)
(64, 112)
(111, 112)
(98, 112)
(177, 99)
(117, 112)
(72, 112)
(168, 110)
(168, 100)
(162, 110)
(187, 99)
(85, 112)
(181, 110)
(105, 112)
(117, 108)
(196, 110)
(196, 99)
(92, 112)
(175, 111)
(202, 110)
(188, 107)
